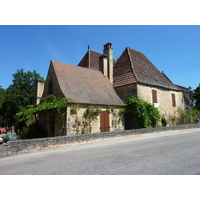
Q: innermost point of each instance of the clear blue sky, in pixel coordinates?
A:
(172, 49)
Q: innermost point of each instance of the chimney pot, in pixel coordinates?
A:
(108, 45)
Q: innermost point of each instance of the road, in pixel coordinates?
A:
(3, 150)
(157, 154)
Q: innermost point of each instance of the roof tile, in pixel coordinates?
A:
(85, 85)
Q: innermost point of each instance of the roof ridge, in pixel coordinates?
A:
(132, 66)
(84, 68)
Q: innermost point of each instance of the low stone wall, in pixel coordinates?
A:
(23, 146)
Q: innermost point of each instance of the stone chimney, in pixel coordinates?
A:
(103, 65)
(106, 62)
(108, 51)
(39, 90)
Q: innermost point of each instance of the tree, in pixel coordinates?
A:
(197, 97)
(2, 96)
(19, 94)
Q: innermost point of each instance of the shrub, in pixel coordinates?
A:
(187, 117)
(144, 113)
(34, 130)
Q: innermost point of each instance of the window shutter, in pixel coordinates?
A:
(154, 96)
(173, 100)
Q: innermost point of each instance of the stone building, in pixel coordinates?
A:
(134, 74)
(87, 90)
(102, 82)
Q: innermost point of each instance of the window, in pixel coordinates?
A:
(173, 100)
(154, 96)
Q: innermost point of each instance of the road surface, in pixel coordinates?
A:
(157, 154)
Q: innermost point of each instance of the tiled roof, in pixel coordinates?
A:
(84, 85)
(123, 71)
(133, 66)
(90, 60)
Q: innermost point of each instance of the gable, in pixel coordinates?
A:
(51, 84)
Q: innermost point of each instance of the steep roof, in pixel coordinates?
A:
(91, 60)
(133, 66)
(84, 85)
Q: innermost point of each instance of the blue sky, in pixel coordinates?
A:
(173, 49)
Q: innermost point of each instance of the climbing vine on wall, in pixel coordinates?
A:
(89, 115)
(91, 112)
(50, 104)
(83, 123)
(146, 114)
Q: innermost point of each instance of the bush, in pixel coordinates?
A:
(34, 130)
(187, 117)
(145, 115)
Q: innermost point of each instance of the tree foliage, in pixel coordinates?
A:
(187, 117)
(197, 97)
(50, 104)
(146, 114)
(19, 94)
(2, 96)
(27, 117)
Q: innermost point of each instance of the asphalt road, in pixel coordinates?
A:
(171, 153)
(3, 150)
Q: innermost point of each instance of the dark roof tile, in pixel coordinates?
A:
(90, 60)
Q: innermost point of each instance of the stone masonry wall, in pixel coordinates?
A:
(163, 97)
(24, 146)
(75, 121)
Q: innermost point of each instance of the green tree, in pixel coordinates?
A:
(19, 94)
(2, 96)
(197, 97)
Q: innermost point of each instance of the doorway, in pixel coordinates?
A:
(104, 121)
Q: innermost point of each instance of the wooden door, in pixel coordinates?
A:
(104, 121)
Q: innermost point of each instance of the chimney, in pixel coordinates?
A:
(39, 90)
(108, 51)
(103, 65)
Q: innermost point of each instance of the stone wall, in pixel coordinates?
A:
(75, 122)
(124, 92)
(24, 146)
(144, 92)
(164, 99)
